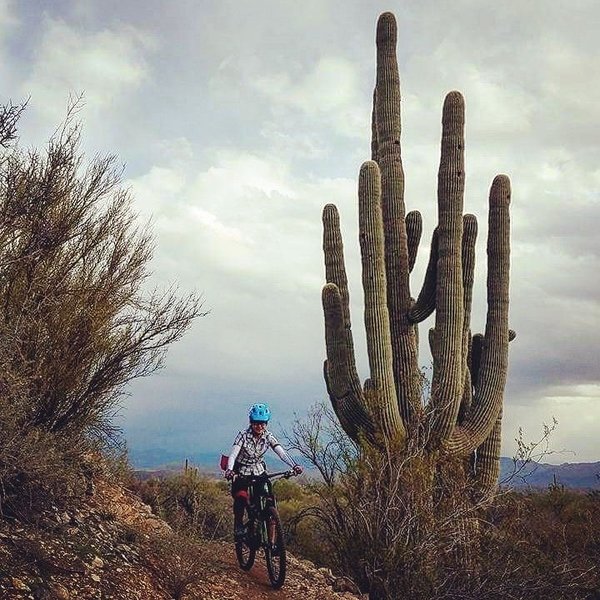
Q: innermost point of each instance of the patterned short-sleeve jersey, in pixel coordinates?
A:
(250, 461)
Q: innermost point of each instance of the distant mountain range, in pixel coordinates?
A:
(538, 475)
(160, 459)
(517, 475)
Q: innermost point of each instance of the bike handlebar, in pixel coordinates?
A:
(282, 474)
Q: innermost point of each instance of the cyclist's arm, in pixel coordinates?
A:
(235, 450)
(283, 455)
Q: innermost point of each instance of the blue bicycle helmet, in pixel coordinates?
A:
(260, 413)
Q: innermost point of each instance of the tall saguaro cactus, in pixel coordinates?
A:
(463, 415)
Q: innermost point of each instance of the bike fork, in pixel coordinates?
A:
(271, 530)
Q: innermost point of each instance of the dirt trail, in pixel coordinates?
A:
(224, 578)
(228, 582)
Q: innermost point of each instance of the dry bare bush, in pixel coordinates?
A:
(544, 544)
(377, 522)
(178, 561)
(9, 117)
(389, 533)
(78, 321)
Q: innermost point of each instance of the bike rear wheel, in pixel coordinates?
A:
(275, 556)
(245, 549)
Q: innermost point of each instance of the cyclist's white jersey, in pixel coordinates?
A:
(246, 456)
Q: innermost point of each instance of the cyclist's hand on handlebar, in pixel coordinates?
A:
(297, 469)
(229, 474)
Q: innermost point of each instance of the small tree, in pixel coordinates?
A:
(76, 322)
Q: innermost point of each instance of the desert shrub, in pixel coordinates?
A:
(389, 533)
(542, 544)
(38, 468)
(288, 490)
(378, 520)
(178, 560)
(296, 502)
(191, 502)
(375, 512)
(9, 117)
(116, 465)
(77, 323)
(148, 489)
(395, 545)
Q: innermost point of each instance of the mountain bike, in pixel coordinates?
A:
(262, 528)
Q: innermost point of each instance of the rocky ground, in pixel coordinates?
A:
(303, 580)
(112, 546)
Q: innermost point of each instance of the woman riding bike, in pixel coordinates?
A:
(246, 459)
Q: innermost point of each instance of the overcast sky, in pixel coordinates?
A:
(237, 121)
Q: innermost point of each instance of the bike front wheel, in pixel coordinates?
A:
(245, 549)
(275, 553)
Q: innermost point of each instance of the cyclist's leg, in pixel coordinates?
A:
(239, 491)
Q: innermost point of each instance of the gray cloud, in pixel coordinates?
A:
(239, 121)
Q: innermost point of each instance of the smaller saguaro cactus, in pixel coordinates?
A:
(464, 413)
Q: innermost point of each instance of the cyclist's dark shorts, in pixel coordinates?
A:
(240, 484)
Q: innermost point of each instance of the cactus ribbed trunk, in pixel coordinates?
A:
(397, 260)
(377, 321)
(449, 306)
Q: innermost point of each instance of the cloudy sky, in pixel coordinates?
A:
(237, 121)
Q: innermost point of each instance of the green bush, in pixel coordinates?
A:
(296, 503)
(192, 502)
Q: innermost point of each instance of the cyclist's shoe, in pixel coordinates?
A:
(239, 533)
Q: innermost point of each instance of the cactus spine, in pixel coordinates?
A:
(463, 417)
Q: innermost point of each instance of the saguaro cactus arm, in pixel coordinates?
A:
(447, 367)
(377, 324)
(344, 388)
(342, 378)
(414, 229)
(425, 304)
(491, 377)
(468, 268)
(335, 272)
(397, 260)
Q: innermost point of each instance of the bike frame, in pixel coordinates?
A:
(261, 497)
(263, 528)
